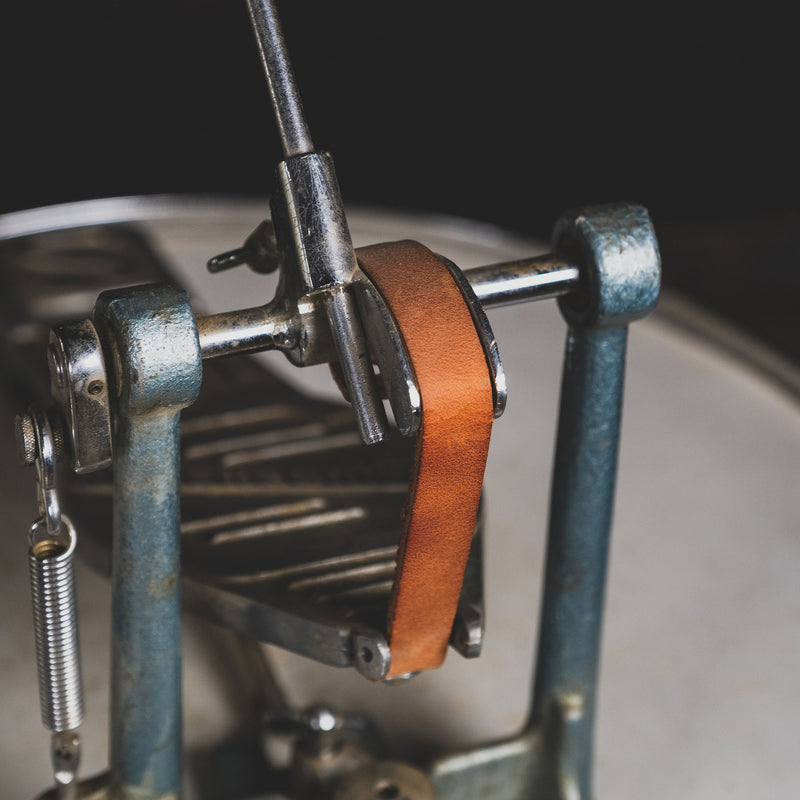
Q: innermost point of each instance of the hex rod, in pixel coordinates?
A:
(292, 127)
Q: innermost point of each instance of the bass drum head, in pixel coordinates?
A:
(701, 649)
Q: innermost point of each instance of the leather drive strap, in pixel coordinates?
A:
(452, 445)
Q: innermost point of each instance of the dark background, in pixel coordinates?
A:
(506, 112)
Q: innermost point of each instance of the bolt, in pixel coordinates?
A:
(371, 655)
(25, 437)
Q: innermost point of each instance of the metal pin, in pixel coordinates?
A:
(228, 260)
(259, 252)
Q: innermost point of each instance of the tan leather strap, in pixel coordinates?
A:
(457, 412)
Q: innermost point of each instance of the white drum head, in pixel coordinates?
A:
(701, 650)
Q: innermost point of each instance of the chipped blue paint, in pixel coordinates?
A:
(150, 335)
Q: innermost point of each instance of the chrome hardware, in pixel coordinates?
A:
(326, 308)
(259, 252)
(79, 384)
(55, 618)
(314, 234)
(52, 541)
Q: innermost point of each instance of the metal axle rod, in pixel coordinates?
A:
(270, 327)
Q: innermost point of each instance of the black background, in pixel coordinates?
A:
(504, 112)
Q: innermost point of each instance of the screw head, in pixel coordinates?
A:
(25, 438)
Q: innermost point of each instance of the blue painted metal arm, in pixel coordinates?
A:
(584, 476)
(620, 283)
(146, 640)
(151, 338)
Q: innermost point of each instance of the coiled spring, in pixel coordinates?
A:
(51, 549)
(55, 621)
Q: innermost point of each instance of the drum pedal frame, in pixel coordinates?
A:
(126, 375)
(605, 270)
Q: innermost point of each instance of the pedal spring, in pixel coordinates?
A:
(55, 620)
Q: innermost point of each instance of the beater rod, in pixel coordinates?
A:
(292, 127)
(317, 227)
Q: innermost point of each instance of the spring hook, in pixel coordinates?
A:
(45, 462)
(52, 541)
